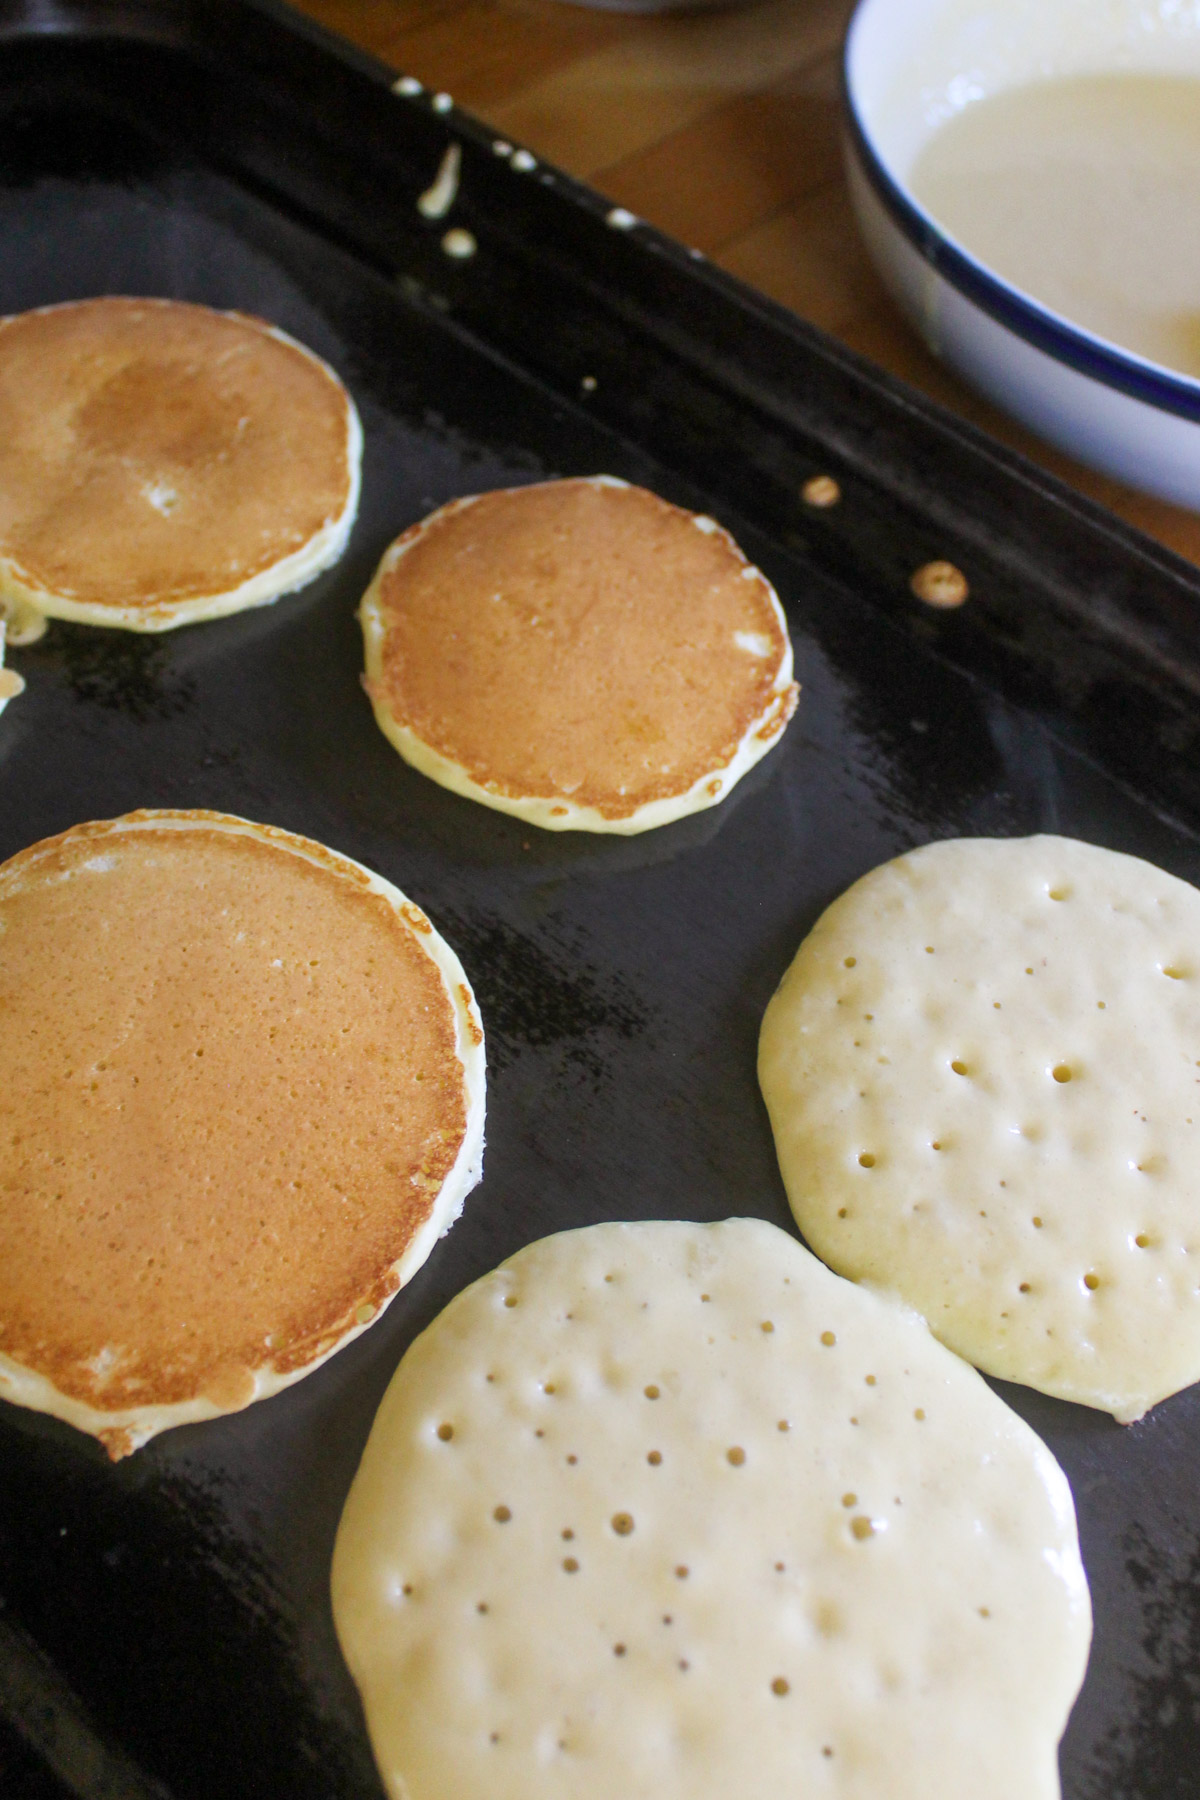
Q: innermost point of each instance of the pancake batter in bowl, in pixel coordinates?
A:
(1085, 194)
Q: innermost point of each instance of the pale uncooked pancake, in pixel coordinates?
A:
(579, 653)
(669, 1512)
(983, 1074)
(241, 1096)
(162, 463)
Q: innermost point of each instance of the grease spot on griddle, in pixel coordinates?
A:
(542, 995)
(124, 672)
(1157, 1756)
(191, 1561)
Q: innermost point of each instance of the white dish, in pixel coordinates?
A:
(910, 65)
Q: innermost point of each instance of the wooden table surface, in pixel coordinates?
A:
(722, 128)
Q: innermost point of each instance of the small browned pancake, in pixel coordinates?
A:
(241, 1096)
(579, 653)
(162, 463)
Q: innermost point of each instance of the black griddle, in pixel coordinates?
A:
(164, 1623)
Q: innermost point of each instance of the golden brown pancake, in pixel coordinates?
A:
(241, 1096)
(162, 463)
(579, 653)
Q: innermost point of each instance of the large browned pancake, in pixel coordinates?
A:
(579, 653)
(241, 1096)
(162, 463)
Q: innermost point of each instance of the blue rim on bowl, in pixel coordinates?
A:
(1048, 331)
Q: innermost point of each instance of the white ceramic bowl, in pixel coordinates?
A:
(912, 64)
